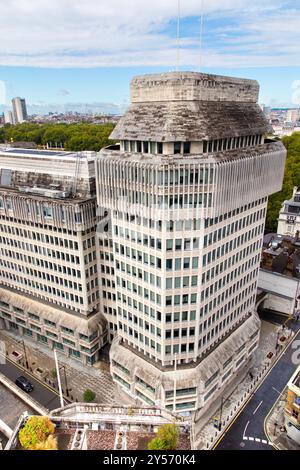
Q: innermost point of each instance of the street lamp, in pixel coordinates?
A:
(221, 411)
(25, 354)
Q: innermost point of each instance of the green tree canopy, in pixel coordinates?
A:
(89, 395)
(291, 179)
(166, 438)
(36, 433)
(74, 137)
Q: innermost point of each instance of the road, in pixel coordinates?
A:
(41, 393)
(250, 422)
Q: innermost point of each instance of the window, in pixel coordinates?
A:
(177, 147)
(187, 147)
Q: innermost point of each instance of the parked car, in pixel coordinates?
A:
(24, 384)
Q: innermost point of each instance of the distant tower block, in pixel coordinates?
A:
(186, 196)
(19, 110)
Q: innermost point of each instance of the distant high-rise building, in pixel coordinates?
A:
(185, 197)
(8, 117)
(19, 109)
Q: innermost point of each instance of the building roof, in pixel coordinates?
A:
(190, 121)
(191, 106)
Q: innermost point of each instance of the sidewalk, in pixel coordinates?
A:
(207, 436)
(79, 377)
(275, 430)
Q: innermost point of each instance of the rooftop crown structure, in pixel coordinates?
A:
(184, 200)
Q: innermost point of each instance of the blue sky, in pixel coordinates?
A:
(69, 51)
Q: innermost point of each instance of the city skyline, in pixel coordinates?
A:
(97, 50)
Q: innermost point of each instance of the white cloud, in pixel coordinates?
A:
(95, 33)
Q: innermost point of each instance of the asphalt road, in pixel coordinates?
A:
(41, 393)
(250, 422)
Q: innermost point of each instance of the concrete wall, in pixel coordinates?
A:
(279, 304)
(190, 86)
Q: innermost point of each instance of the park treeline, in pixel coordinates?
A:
(85, 136)
(75, 137)
(291, 179)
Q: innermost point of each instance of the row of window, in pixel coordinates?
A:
(30, 285)
(48, 323)
(158, 225)
(219, 145)
(232, 228)
(226, 248)
(186, 244)
(42, 251)
(217, 220)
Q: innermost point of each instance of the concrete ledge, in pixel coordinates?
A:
(23, 396)
(6, 430)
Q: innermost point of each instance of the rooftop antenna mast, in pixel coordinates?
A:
(201, 37)
(178, 36)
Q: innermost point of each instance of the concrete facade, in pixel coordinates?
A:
(185, 196)
(289, 216)
(48, 266)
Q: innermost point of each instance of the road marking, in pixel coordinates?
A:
(257, 407)
(256, 390)
(257, 439)
(245, 429)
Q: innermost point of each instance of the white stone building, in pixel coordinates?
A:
(185, 195)
(289, 216)
(48, 264)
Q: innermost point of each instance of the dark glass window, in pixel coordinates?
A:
(177, 147)
(187, 147)
(159, 147)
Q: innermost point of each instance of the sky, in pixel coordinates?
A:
(87, 51)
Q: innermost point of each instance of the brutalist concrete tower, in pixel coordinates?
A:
(184, 200)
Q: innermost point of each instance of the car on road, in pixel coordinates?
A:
(24, 384)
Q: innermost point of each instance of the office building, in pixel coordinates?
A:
(19, 110)
(8, 117)
(183, 201)
(289, 216)
(48, 264)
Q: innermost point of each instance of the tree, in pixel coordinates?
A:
(291, 179)
(49, 444)
(157, 444)
(166, 438)
(36, 432)
(89, 395)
